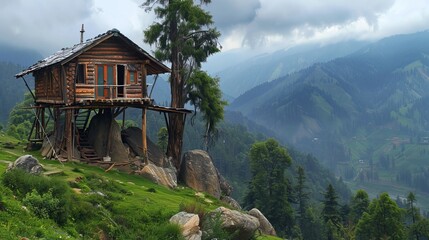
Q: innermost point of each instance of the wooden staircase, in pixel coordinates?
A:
(87, 151)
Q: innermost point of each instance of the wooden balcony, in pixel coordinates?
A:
(107, 92)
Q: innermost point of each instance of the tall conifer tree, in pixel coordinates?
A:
(184, 36)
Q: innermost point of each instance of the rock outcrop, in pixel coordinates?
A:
(265, 225)
(198, 172)
(231, 202)
(99, 137)
(163, 176)
(189, 224)
(27, 163)
(242, 225)
(133, 138)
(225, 187)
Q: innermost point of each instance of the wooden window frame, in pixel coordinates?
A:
(85, 67)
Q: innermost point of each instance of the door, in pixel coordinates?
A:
(105, 82)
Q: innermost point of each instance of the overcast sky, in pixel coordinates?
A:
(258, 25)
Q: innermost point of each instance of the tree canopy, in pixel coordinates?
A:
(382, 221)
(268, 190)
(185, 37)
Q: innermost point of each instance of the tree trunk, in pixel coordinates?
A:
(176, 121)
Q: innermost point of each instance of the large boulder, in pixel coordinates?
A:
(102, 129)
(241, 225)
(198, 172)
(133, 137)
(265, 225)
(27, 163)
(163, 176)
(189, 223)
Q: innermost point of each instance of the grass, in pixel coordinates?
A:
(111, 204)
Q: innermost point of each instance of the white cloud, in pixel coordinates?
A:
(49, 25)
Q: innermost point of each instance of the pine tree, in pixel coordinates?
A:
(331, 212)
(382, 221)
(301, 194)
(359, 205)
(268, 186)
(184, 37)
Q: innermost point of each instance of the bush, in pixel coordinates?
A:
(44, 206)
(193, 207)
(33, 189)
(213, 229)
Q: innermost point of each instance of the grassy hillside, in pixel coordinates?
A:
(112, 204)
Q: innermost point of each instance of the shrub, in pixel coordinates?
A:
(213, 229)
(43, 206)
(34, 188)
(193, 207)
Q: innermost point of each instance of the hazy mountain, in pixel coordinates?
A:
(245, 75)
(23, 57)
(12, 61)
(353, 108)
(12, 90)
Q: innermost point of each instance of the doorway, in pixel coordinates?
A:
(121, 80)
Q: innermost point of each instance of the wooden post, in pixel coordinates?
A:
(144, 142)
(123, 119)
(37, 133)
(144, 84)
(69, 131)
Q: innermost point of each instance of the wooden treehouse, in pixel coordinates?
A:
(103, 74)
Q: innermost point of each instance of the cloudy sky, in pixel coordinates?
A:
(248, 25)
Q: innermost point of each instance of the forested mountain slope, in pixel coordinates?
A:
(358, 107)
(243, 76)
(11, 90)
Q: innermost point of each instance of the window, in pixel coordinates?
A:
(81, 72)
(132, 77)
(132, 74)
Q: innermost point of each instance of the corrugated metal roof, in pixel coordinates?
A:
(67, 54)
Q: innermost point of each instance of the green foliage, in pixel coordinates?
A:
(205, 94)
(331, 213)
(20, 118)
(268, 188)
(193, 207)
(162, 138)
(302, 196)
(359, 205)
(12, 90)
(419, 229)
(47, 197)
(184, 37)
(312, 226)
(213, 229)
(383, 220)
(183, 26)
(128, 123)
(44, 206)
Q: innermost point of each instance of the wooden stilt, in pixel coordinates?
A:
(69, 131)
(144, 142)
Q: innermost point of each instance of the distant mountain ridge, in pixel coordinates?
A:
(384, 85)
(23, 57)
(12, 61)
(243, 76)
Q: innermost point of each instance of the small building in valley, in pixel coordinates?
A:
(103, 75)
